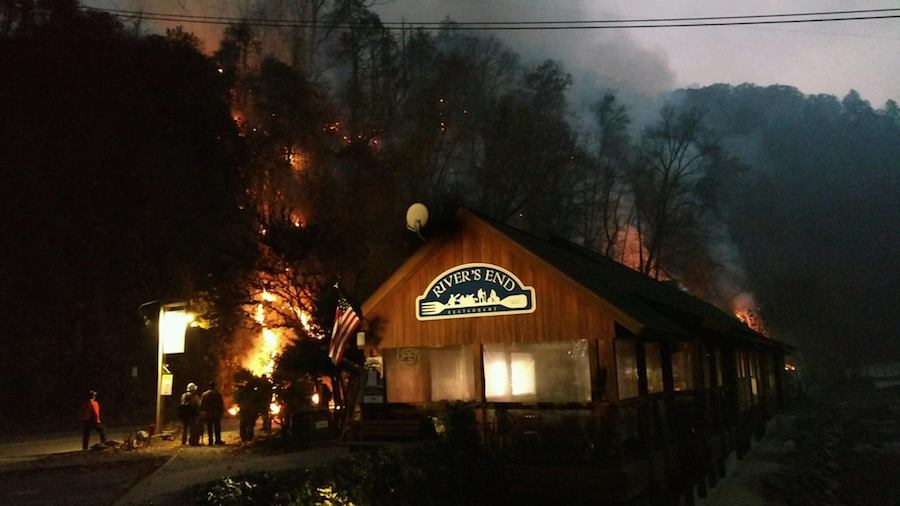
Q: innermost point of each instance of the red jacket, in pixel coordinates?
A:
(90, 411)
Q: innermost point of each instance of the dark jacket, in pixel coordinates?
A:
(211, 404)
(190, 404)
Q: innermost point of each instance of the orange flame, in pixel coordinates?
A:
(745, 310)
(296, 158)
(270, 342)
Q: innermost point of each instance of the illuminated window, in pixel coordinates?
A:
(522, 374)
(537, 372)
(654, 368)
(626, 369)
(682, 368)
(417, 375)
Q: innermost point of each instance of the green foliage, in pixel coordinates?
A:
(427, 475)
(241, 491)
(458, 427)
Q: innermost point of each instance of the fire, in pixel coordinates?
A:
(306, 321)
(270, 342)
(296, 159)
(632, 252)
(234, 410)
(746, 310)
(274, 408)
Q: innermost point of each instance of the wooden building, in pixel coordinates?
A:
(585, 375)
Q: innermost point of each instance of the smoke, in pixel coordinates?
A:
(600, 61)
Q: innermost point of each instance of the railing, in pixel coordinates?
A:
(602, 432)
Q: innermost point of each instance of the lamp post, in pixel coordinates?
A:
(173, 320)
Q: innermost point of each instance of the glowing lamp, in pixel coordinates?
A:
(173, 320)
(172, 325)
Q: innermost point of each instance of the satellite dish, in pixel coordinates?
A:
(416, 218)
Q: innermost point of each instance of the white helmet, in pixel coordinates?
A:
(191, 387)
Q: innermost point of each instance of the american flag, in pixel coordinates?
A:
(345, 322)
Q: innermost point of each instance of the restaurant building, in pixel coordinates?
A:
(584, 374)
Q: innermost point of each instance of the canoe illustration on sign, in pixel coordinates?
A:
(473, 290)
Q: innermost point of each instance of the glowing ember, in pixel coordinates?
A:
(274, 408)
(745, 310)
(296, 219)
(296, 159)
(234, 410)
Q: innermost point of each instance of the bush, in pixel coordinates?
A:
(426, 475)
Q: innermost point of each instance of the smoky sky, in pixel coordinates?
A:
(817, 58)
(642, 64)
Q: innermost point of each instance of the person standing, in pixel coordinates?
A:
(249, 411)
(264, 401)
(190, 422)
(90, 418)
(186, 413)
(212, 405)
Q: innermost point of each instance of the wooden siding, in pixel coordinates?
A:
(564, 310)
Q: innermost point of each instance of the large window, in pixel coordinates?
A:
(654, 368)
(682, 368)
(416, 375)
(626, 369)
(537, 372)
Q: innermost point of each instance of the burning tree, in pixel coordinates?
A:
(747, 311)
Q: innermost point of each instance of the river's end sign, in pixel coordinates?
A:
(473, 290)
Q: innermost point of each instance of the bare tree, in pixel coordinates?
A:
(603, 194)
(673, 172)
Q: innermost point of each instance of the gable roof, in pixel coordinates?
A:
(643, 305)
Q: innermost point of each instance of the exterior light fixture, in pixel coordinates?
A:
(173, 320)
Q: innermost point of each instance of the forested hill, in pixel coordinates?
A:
(816, 216)
(137, 169)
